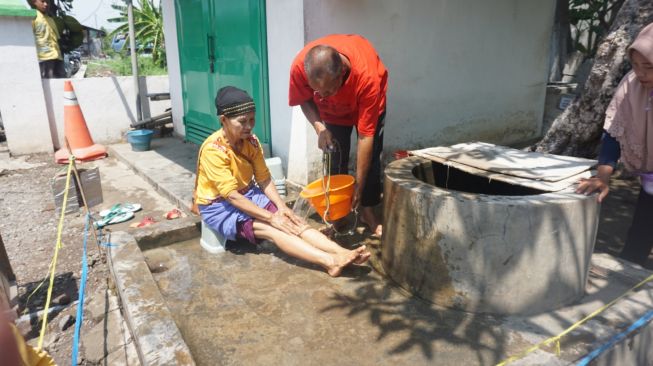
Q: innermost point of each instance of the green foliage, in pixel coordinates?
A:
(148, 28)
(71, 31)
(592, 20)
(121, 66)
(56, 7)
(64, 5)
(106, 45)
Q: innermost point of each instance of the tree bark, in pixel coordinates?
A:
(560, 41)
(577, 131)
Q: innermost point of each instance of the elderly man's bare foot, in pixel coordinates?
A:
(341, 261)
(378, 231)
(363, 255)
(368, 218)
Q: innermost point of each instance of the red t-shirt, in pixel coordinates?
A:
(361, 99)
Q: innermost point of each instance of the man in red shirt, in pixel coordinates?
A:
(340, 83)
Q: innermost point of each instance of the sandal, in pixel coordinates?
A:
(121, 208)
(146, 221)
(113, 218)
(173, 214)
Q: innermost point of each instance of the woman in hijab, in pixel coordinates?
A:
(628, 137)
(236, 197)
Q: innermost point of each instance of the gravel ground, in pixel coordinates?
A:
(28, 225)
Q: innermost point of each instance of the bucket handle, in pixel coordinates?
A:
(326, 187)
(348, 231)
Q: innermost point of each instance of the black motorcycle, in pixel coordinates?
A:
(72, 62)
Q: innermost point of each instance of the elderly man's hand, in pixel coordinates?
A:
(325, 140)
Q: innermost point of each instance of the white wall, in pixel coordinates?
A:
(174, 70)
(22, 103)
(108, 104)
(458, 70)
(293, 139)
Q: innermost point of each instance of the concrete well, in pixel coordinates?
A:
(467, 242)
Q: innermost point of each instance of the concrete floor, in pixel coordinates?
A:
(256, 306)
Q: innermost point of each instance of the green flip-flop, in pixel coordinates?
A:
(121, 208)
(113, 218)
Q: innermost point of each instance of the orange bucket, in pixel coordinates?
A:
(341, 191)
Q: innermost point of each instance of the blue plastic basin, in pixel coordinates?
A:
(140, 139)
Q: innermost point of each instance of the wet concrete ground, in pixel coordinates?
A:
(254, 305)
(257, 306)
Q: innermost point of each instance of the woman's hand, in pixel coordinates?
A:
(282, 221)
(292, 217)
(290, 214)
(595, 184)
(598, 183)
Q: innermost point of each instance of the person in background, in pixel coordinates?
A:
(628, 136)
(47, 37)
(340, 83)
(236, 197)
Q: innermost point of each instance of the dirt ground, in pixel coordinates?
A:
(28, 225)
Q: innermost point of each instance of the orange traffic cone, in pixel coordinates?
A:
(75, 131)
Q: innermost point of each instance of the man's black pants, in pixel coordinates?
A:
(52, 69)
(371, 195)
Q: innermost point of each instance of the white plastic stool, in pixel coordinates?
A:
(275, 167)
(212, 241)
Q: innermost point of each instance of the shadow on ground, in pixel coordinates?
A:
(34, 297)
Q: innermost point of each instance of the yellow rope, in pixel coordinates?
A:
(558, 337)
(56, 253)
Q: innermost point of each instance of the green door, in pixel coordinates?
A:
(221, 43)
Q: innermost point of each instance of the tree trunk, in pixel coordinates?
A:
(560, 41)
(577, 131)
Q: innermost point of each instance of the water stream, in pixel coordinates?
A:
(301, 207)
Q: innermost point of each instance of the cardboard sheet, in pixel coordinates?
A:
(530, 169)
